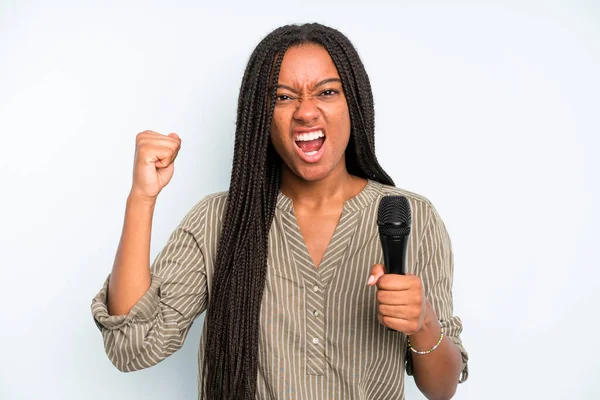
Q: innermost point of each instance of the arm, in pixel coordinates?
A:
(157, 325)
(130, 277)
(153, 169)
(412, 304)
(145, 313)
(438, 373)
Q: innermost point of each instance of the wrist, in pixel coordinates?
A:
(137, 200)
(429, 332)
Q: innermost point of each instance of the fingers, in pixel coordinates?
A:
(159, 155)
(178, 139)
(159, 149)
(399, 282)
(405, 312)
(172, 139)
(392, 281)
(377, 272)
(399, 298)
(398, 324)
(403, 318)
(162, 157)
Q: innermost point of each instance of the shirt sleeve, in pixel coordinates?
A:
(159, 322)
(435, 266)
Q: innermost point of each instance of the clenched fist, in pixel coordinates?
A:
(153, 164)
(401, 301)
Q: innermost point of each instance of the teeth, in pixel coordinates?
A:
(305, 137)
(310, 153)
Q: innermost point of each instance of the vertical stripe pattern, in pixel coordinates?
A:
(319, 333)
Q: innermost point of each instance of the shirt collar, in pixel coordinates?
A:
(362, 200)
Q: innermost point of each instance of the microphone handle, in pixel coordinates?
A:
(394, 253)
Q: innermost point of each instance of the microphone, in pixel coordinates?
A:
(394, 220)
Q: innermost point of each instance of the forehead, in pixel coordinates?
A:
(305, 64)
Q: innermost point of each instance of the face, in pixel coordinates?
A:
(311, 122)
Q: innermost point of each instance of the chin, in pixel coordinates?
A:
(312, 173)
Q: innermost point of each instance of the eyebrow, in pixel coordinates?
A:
(321, 83)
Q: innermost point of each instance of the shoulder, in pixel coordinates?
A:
(422, 209)
(209, 210)
(415, 199)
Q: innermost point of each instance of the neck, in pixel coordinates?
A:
(333, 190)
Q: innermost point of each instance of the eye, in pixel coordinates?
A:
(329, 92)
(282, 97)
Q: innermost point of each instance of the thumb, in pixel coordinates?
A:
(377, 272)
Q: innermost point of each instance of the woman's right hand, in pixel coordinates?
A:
(153, 164)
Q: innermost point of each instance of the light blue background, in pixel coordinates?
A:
(489, 109)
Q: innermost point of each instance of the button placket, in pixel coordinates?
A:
(315, 328)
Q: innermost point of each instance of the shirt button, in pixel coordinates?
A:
(316, 313)
(316, 288)
(315, 341)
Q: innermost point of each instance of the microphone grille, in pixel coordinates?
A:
(394, 210)
(401, 231)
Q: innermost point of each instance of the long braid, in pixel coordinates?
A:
(231, 354)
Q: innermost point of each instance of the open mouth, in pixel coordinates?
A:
(310, 145)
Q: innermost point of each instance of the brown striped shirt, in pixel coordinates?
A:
(319, 333)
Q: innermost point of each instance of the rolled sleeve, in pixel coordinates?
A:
(436, 269)
(157, 325)
(452, 330)
(144, 310)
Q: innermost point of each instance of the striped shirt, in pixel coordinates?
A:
(319, 334)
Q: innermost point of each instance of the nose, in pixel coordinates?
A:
(306, 111)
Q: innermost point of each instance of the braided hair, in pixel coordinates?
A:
(231, 354)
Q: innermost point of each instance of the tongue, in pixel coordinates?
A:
(310, 145)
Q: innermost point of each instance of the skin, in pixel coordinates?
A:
(152, 171)
(310, 95)
(402, 306)
(318, 191)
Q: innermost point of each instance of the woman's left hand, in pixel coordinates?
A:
(401, 301)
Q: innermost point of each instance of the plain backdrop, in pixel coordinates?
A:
(495, 107)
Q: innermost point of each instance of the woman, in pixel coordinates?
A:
(288, 262)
